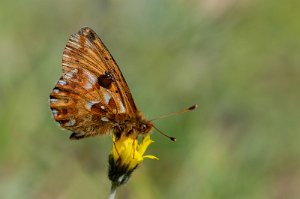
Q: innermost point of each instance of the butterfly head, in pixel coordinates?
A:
(145, 126)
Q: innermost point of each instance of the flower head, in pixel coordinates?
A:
(126, 155)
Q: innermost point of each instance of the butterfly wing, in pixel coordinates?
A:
(92, 96)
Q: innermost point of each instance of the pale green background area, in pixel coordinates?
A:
(239, 60)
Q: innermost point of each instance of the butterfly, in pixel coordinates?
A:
(92, 97)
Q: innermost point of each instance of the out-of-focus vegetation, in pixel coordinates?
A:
(239, 60)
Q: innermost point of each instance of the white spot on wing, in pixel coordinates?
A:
(56, 90)
(52, 100)
(54, 112)
(107, 97)
(90, 104)
(62, 82)
(88, 86)
(72, 122)
(91, 80)
(104, 119)
(102, 107)
(70, 74)
(122, 108)
(65, 55)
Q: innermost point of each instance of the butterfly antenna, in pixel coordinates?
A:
(171, 138)
(177, 113)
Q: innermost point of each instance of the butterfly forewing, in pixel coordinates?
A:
(92, 94)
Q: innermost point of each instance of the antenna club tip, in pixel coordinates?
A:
(173, 139)
(193, 107)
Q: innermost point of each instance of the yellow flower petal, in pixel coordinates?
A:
(151, 157)
(144, 145)
(129, 152)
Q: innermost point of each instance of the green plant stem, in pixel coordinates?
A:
(112, 192)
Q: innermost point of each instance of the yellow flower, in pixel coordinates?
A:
(126, 155)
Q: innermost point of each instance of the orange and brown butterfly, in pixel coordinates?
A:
(92, 97)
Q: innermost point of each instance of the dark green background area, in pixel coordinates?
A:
(239, 60)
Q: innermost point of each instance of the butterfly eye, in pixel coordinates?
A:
(143, 126)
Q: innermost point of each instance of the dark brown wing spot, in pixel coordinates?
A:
(98, 108)
(91, 36)
(88, 33)
(64, 111)
(105, 80)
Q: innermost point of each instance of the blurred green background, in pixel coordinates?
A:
(239, 60)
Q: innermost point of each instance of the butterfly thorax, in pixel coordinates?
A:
(137, 125)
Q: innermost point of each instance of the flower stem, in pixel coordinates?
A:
(112, 192)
